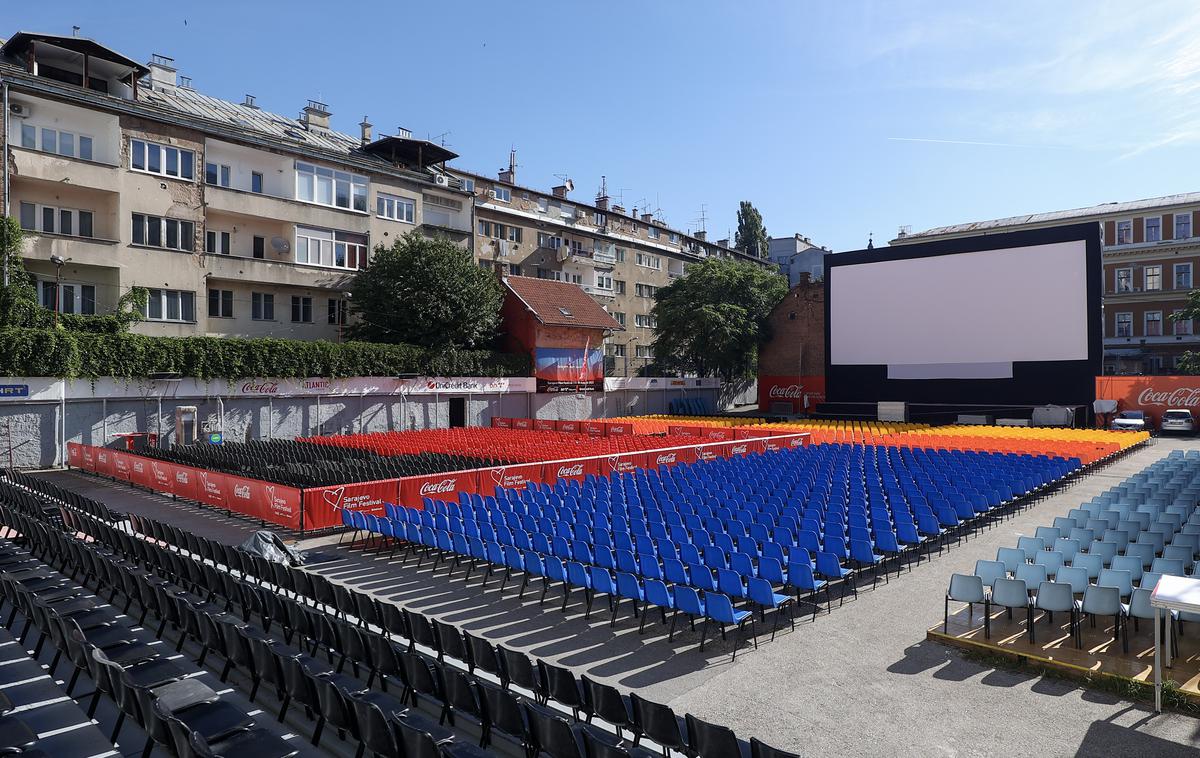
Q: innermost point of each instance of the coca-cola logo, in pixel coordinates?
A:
(738, 449)
(616, 429)
(572, 470)
(261, 388)
(790, 392)
(665, 458)
(241, 491)
(181, 477)
(1181, 397)
(438, 488)
(139, 467)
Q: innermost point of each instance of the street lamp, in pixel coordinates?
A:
(343, 313)
(59, 262)
(629, 345)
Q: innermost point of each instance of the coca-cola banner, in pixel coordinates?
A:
(522, 423)
(266, 501)
(618, 427)
(74, 454)
(139, 472)
(323, 506)
(510, 477)
(1152, 394)
(502, 423)
(672, 457)
(801, 393)
(104, 461)
(715, 433)
(544, 424)
(437, 487)
(187, 483)
(739, 449)
(567, 426)
(577, 470)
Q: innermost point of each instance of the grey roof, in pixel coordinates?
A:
(1074, 214)
(248, 117)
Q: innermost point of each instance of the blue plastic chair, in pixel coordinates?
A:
(765, 597)
(628, 586)
(719, 608)
(800, 577)
(577, 576)
(743, 564)
(689, 603)
(771, 570)
(601, 582)
(831, 569)
(730, 583)
(863, 555)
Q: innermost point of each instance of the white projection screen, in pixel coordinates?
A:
(991, 317)
(970, 315)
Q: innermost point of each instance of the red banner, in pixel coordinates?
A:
(624, 463)
(671, 457)
(162, 476)
(323, 506)
(740, 449)
(544, 424)
(594, 428)
(437, 486)
(716, 433)
(522, 423)
(214, 489)
(1151, 394)
(619, 427)
(139, 472)
(710, 452)
(74, 454)
(265, 501)
(187, 483)
(88, 455)
(577, 470)
(567, 426)
(121, 468)
(503, 423)
(685, 431)
(509, 477)
(104, 462)
(798, 393)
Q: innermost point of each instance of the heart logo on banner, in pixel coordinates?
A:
(498, 475)
(614, 463)
(333, 498)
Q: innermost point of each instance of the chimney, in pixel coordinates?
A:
(723, 243)
(647, 218)
(618, 209)
(701, 235)
(162, 73)
(559, 191)
(403, 133)
(315, 116)
(602, 202)
(509, 176)
(249, 102)
(365, 127)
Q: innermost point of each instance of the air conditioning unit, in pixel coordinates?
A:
(19, 110)
(441, 180)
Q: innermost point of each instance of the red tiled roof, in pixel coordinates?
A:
(560, 303)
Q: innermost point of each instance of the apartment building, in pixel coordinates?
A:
(1151, 251)
(798, 258)
(620, 257)
(238, 221)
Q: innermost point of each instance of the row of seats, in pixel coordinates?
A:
(1101, 559)
(352, 626)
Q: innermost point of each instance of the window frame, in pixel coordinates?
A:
(1146, 228)
(1184, 324)
(78, 298)
(1125, 226)
(301, 307)
(223, 301)
(39, 217)
(1146, 278)
(163, 227)
(1128, 271)
(336, 239)
(223, 173)
(263, 304)
(1127, 320)
(163, 151)
(358, 187)
(214, 236)
(163, 301)
(1186, 218)
(1176, 269)
(1147, 321)
(384, 200)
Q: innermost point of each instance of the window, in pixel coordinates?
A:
(337, 311)
(619, 286)
(575, 278)
(649, 261)
(504, 194)
(256, 181)
(468, 185)
(216, 242)
(652, 232)
(645, 321)
(260, 246)
(220, 303)
(169, 233)
(645, 290)
(1124, 324)
(620, 255)
(321, 247)
(500, 231)
(1124, 232)
(1152, 277)
(171, 305)
(68, 144)
(543, 273)
(616, 350)
(217, 174)
(619, 317)
(599, 219)
(1153, 324)
(262, 306)
(161, 159)
(395, 208)
(548, 241)
(1124, 280)
(51, 220)
(1153, 228)
(643, 351)
(1183, 276)
(675, 237)
(604, 281)
(325, 186)
(301, 309)
(69, 297)
(1181, 326)
(1183, 226)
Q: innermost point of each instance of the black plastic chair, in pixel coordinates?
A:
(418, 679)
(450, 642)
(420, 631)
(483, 655)
(458, 696)
(707, 740)
(658, 722)
(551, 733)
(763, 750)
(562, 686)
(607, 703)
(376, 734)
(501, 710)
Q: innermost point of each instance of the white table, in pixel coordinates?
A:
(1172, 593)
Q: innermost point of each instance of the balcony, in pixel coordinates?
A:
(256, 204)
(595, 291)
(40, 246)
(239, 268)
(49, 167)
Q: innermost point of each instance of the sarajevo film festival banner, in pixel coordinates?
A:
(564, 369)
(323, 506)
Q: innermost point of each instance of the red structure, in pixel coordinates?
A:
(562, 328)
(791, 367)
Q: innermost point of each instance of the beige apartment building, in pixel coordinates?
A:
(1151, 251)
(238, 221)
(620, 257)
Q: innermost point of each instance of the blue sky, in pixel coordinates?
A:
(836, 119)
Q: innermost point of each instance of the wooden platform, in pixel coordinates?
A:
(1054, 648)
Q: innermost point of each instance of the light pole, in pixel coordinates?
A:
(342, 313)
(59, 262)
(628, 345)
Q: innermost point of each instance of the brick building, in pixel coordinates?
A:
(791, 367)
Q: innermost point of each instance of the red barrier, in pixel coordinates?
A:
(74, 454)
(716, 433)
(522, 423)
(89, 458)
(501, 423)
(670, 457)
(509, 477)
(567, 426)
(215, 488)
(594, 428)
(577, 470)
(619, 427)
(625, 462)
(545, 424)
(437, 486)
(685, 431)
(323, 505)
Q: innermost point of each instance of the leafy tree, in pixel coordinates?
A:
(425, 292)
(751, 236)
(1189, 363)
(713, 319)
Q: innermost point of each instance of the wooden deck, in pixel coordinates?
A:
(1053, 646)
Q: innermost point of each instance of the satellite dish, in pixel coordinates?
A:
(570, 185)
(280, 245)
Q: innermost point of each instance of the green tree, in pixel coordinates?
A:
(751, 236)
(1189, 363)
(713, 319)
(425, 292)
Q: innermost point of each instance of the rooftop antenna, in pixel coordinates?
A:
(74, 31)
(565, 181)
(442, 137)
(703, 220)
(603, 193)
